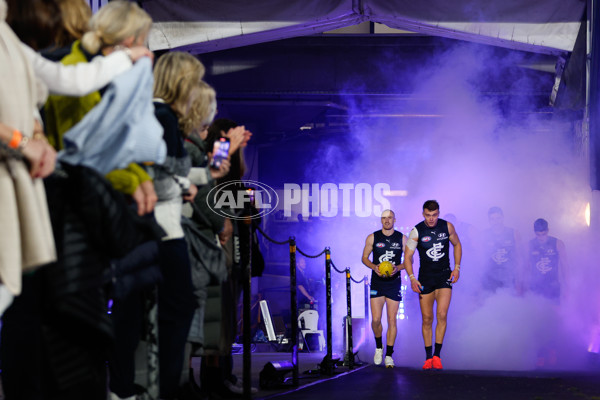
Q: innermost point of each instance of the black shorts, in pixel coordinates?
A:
(389, 289)
(433, 281)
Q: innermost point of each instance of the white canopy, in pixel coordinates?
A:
(543, 26)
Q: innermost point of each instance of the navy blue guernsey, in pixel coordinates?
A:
(387, 248)
(501, 247)
(544, 260)
(434, 247)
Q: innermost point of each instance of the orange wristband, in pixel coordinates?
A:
(16, 139)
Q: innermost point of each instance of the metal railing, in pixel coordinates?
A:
(327, 365)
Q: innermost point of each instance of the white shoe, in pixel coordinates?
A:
(378, 356)
(113, 396)
(389, 362)
(240, 383)
(238, 389)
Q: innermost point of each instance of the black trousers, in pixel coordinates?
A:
(128, 317)
(21, 349)
(176, 305)
(34, 336)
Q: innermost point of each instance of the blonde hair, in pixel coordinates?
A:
(177, 76)
(203, 110)
(75, 16)
(113, 23)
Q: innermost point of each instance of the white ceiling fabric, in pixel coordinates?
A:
(544, 26)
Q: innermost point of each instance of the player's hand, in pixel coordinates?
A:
(454, 276)
(397, 268)
(377, 271)
(415, 285)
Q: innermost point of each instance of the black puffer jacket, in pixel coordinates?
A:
(92, 224)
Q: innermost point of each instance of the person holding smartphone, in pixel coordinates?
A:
(220, 152)
(176, 79)
(217, 371)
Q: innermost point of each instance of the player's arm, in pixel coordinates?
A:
(401, 266)
(409, 251)
(367, 251)
(457, 250)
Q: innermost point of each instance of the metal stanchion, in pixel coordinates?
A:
(247, 361)
(350, 350)
(294, 311)
(151, 337)
(327, 366)
(367, 297)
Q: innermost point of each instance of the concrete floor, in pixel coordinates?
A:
(375, 382)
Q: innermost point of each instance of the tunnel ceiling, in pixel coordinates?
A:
(314, 85)
(542, 26)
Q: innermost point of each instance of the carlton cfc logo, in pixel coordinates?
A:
(380, 245)
(426, 239)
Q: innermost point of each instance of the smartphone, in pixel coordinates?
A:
(220, 152)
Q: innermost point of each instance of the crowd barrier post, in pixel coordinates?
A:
(247, 288)
(350, 345)
(327, 365)
(367, 300)
(294, 311)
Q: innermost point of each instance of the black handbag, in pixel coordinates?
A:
(138, 270)
(204, 250)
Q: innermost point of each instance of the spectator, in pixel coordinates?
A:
(216, 372)
(26, 243)
(63, 297)
(177, 76)
(203, 231)
(120, 25)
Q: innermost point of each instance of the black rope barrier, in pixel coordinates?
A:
(361, 281)
(309, 256)
(337, 270)
(327, 365)
(271, 239)
(282, 242)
